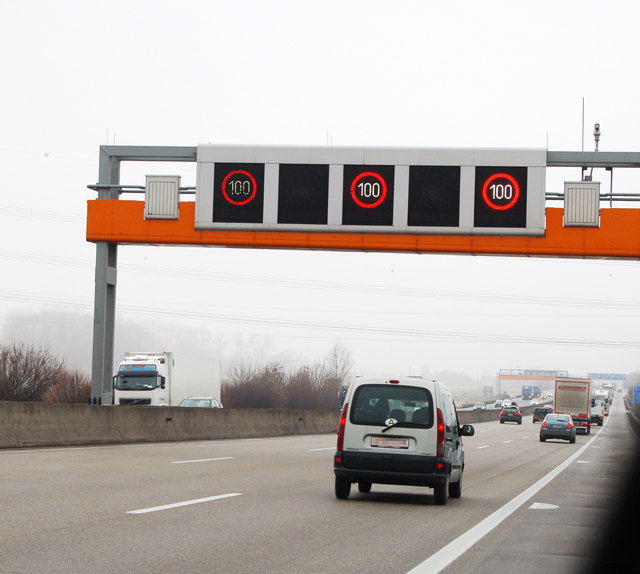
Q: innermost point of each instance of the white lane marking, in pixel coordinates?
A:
(506, 441)
(525, 436)
(456, 548)
(184, 503)
(201, 460)
(326, 448)
(584, 462)
(543, 506)
(479, 447)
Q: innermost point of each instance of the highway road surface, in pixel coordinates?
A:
(267, 505)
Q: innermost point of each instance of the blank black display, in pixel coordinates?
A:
(303, 193)
(434, 196)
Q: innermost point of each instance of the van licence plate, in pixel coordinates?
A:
(389, 442)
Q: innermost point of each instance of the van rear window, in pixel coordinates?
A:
(410, 406)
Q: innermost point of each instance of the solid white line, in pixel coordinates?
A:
(479, 447)
(185, 503)
(452, 551)
(201, 460)
(326, 448)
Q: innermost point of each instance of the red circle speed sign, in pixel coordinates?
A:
(368, 189)
(501, 191)
(239, 187)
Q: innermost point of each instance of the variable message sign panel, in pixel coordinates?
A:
(371, 190)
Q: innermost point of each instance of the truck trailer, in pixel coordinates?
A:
(144, 379)
(573, 397)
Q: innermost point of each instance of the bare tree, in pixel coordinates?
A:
(304, 388)
(337, 367)
(27, 372)
(72, 386)
(249, 387)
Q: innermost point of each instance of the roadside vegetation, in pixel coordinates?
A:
(314, 386)
(33, 374)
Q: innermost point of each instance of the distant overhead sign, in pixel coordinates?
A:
(607, 376)
(376, 190)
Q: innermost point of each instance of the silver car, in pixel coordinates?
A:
(201, 402)
(558, 426)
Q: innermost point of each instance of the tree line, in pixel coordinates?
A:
(309, 387)
(33, 374)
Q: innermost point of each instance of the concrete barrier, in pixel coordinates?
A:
(44, 424)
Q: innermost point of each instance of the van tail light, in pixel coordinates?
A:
(440, 447)
(343, 421)
(502, 413)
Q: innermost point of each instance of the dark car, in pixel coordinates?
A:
(511, 415)
(540, 412)
(558, 426)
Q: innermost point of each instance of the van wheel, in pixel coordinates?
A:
(440, 493)
(455, 488)
(364, 486)
(343, 487)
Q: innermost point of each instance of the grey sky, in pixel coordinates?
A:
(468, 74)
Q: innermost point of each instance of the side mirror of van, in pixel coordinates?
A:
(162, 382)
(467, 430)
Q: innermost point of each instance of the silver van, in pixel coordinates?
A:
(400, 431)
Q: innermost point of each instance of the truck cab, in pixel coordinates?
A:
(143, 379)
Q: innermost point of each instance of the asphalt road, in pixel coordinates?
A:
(267, 505)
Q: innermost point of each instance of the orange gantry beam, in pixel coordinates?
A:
(122, 222)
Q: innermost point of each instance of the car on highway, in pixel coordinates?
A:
(558, 426)
(201, 402)
(540, 412)
(534, 402)
(511, 414)
(402, 430)
(479, 406)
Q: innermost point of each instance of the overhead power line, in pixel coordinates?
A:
(407, 334)
(331, 286)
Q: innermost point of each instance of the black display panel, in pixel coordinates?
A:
(367, 195)
(303, 193)
(500, 197)
(238, 192)
(434, 196)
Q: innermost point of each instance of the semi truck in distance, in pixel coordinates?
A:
(597, 409)
(573, 397)
(144, 379)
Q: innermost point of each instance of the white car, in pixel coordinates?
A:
(201, 402)
(402, 430)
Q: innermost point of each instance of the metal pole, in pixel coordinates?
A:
(104, 304)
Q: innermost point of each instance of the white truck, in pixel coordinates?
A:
(573, 397)
(144, 379)
(597, 408)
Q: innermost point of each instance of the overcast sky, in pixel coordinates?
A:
(77, 75)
